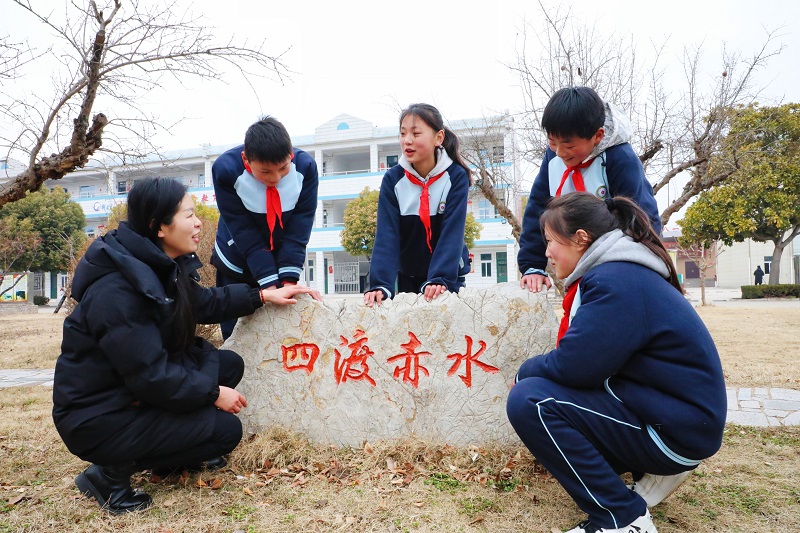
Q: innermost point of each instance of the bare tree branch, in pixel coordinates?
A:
(119, 50)
(676, 133)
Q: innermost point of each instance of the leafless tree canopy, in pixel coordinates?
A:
(110, 54)
(678, 125)
(496, 181)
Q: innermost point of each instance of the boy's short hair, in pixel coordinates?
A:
(574, 111)
(267, 141)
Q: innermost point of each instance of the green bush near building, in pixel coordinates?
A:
(786, 290)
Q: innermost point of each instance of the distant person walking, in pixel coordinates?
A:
(759, 274)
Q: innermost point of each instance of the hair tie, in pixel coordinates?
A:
(610, 204)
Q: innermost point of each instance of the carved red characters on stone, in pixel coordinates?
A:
(469, 360)
(355, 366)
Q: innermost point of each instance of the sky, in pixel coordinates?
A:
(369, 59)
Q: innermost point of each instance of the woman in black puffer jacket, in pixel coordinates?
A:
(134, 387)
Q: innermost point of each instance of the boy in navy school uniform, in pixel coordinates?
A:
(589, 150)
(266, 193)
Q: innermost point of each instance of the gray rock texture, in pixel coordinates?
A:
(343, 373)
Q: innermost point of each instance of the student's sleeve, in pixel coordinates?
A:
(386, 250)
(292, 255)
(626, 178)
(532, 247)
(250, 243)
(589, 353)
(446, 257)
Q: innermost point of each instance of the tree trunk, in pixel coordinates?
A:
(486, 187)
(703, 286)
(775, 265)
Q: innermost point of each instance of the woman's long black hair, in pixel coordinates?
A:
(566, 214)
(431, 116)
(151, 203)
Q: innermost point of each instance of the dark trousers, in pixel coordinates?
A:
(155, 438)
(406, 283)
(586, 438)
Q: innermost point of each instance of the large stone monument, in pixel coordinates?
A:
(344, 373)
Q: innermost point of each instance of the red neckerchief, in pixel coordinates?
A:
(273, 202)
(567, 305)
(577, 177)
(274, 211)
(424, 202)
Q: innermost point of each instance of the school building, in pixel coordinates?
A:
(730, 267)
(351, 154)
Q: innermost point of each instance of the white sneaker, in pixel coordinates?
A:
(643, 524)
(655, 489)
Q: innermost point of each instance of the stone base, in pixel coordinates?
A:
(344, 373)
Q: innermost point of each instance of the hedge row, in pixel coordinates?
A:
(770, 291)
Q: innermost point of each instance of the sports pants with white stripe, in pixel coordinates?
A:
(586, 438)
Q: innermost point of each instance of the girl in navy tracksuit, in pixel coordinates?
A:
(422, 211)
(645, 397)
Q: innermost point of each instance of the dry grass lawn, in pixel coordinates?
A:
(278, 482)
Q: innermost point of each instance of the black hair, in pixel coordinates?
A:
(431, 116)
(151, 203)
(267, 141)
(566, 214)
(574, 111)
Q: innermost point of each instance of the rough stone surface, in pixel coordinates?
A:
(344, 373)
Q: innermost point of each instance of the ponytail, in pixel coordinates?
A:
(451, 146)
(431, 116)
(635, 223)
(565, 215)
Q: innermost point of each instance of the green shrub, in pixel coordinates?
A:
(40, 300)
(770, 291)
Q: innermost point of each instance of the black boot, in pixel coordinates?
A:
(215, 463)
(111, 487)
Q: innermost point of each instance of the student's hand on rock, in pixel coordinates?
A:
(230, 400)
(373, 297)
(534, 282)
(432, 291)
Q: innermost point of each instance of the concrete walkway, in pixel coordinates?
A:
(761, 407)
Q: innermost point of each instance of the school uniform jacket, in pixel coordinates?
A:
(242, 248)
(400, 241)
(615, 171)
(657, 358)
(113, 353)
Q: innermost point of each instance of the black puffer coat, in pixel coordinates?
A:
(113, 354)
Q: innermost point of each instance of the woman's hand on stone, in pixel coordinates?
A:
(230, 400)
(285, 295)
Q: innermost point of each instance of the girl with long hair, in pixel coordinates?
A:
(634, 384)
(134, 388)
(422, 211)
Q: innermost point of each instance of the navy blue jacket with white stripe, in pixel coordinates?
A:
(400, 243)
(657, 357)
(619, 172)
(242, 248)
(615, 171)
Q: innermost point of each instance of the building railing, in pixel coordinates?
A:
(346, 172)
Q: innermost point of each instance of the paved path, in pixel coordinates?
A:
(762, 407)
